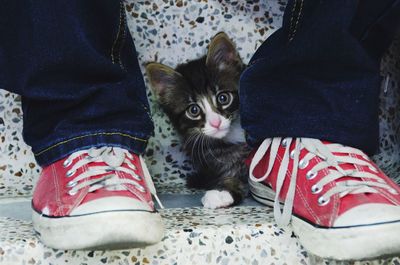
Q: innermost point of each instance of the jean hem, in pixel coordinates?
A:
(64, 148)
(361, 138)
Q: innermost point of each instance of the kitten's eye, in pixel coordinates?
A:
(193, 112)
(224, 99)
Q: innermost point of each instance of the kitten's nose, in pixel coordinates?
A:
(216, 122)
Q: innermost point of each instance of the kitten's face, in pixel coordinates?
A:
(201, 97)
(215, 112)
(209, 111)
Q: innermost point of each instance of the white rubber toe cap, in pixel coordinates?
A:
(369, 214)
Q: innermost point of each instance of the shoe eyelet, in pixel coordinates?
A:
(71, 184)
(70, 173)
(315, 189)
(285, 142)
(310, 175)
(72, 193)
(292, 154)
(393, 191)
(303, 164)
(322, 201)
(67, 163)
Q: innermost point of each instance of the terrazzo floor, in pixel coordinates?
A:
(240, 235)
(237, 236)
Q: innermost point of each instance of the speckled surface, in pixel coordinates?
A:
(18, 169)
(193, 236)
(160, 28)
(389, 156)
(198, 236)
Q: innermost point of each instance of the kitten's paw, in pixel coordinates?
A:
(217, 199)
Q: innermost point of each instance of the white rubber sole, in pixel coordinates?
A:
(339, 243)
(349, 243)
(105, 230)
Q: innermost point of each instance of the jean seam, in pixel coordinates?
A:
(148, 112)
(291, 17)
(89, 135)
(120, 38)
(293, 28)
(125, 26)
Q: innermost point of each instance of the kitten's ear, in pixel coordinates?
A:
(222, 53)
(163, 79)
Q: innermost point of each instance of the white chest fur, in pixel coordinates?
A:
(236, 133)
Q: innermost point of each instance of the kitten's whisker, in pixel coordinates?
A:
(201, 151)
(210, 147)
(194, 145)
(188, 140)
(203, 147)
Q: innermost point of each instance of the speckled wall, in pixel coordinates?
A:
(160, 29)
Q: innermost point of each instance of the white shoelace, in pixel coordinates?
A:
(114, 158)
(361, 182)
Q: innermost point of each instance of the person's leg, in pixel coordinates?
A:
(86, 117)
(310, 89)
(75, 66)
(315, 69)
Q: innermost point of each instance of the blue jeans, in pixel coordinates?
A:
(318, 76)
(74, 63)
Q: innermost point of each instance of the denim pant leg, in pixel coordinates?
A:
(75, 65)
(318, 76)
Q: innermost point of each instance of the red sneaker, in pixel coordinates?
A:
(97, 198)
(340, 204)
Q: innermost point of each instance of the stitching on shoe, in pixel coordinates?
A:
(133, 190)
(302, 197)
(307, 205)
(335, 209)
(57, 190)
(88, 135)
(81, 194)
(325, 172)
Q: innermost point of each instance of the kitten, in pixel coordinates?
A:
(201, 100)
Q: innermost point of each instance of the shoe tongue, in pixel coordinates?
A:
(107, 182)
(113, 157)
